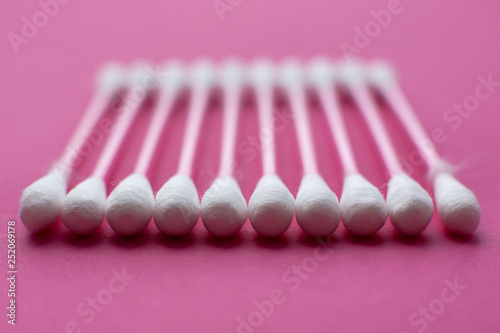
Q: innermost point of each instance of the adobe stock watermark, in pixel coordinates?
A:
(48, 9)
(89, 309)
(364, 35)
(123, 104)
(253, 145)
(291, 279)
(429, 313)
(460, 111)
(454, 117)
(222, 7)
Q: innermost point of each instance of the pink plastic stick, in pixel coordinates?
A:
(337, 126)
(232, 96)
(407, 116)
(128, 112)
(95, 110)
(157, 123)
(265, 105)
(297, 98)
(367, 106)
(193, 127)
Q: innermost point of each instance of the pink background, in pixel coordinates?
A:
(201, 284)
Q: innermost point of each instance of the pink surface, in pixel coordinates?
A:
(201, 284)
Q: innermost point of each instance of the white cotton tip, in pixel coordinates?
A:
(319, 71)
(42, 201)
(409, 206)
(351, 73)
(261, 72)
(290, 72)
(174, 76)
(232, 72)
(130, 206)
(363, 207)
(317, 208)
(177, 206)
(271, 207)
(111, 77)
(84, 206)
(140, 74)
(223, 207)
(380, 74)
(202, 73)
(457, 206)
